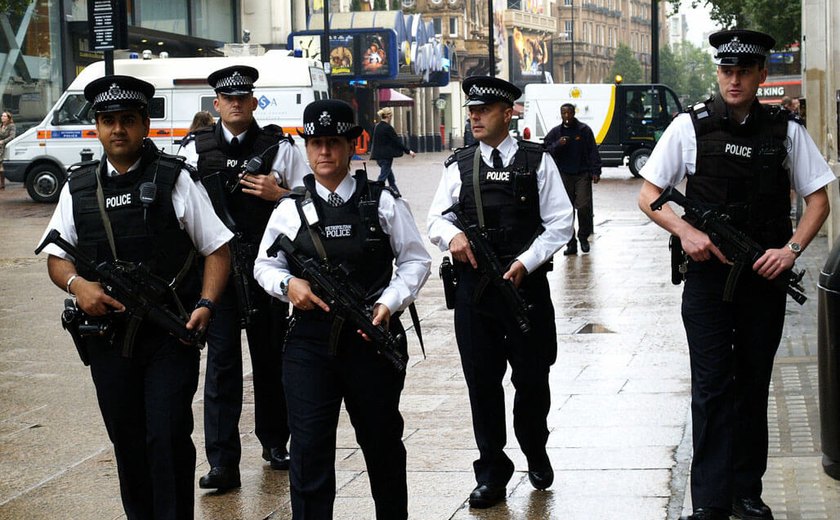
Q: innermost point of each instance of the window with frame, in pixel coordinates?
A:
(453, 26)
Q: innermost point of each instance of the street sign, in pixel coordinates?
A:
(107, 25)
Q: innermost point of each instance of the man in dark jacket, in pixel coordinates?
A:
(386, 146)
(572, 145)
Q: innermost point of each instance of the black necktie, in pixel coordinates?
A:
(335, 200)
(234, 142)
(497, 159)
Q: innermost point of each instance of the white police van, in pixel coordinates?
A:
(40, 156)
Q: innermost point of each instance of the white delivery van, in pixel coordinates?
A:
(627, 120)
(40, 156)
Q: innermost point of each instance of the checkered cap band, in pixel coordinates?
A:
(117, 94)
(738, 47)
(235, 80)
(477, 91)
(325, 120)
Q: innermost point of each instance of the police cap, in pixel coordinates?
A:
(740, 47)
(484, 90)
(237, 80)
(329, 118)
(115, 93)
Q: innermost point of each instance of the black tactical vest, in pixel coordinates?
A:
(740, 169)
(509, 197)
(351, 235)
(215, 156)
(149, 233)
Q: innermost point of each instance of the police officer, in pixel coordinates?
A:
(139, 205)
(527, 217)
(743, 158)
(324, 362)
(245, 201)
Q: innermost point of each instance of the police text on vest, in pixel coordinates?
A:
(498, 176)
(118, 200)
(739, 150)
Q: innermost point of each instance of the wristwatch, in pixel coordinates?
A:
(284, 285)
(795, 248)
(204, 302)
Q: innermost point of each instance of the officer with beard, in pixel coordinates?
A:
(140, 205)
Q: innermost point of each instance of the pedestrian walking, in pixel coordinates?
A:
(138, 205)
(741, 158)
(572, 145)
(326, 361)
(244, 200)
(517, 199)
(7, 133)
(387, 146)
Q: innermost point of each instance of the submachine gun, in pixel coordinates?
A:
(491, 269)
(136, 288)
(737, 246)
(345, 298)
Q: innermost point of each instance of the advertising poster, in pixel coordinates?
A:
(341, 54)
(530, 57)
(375, 54)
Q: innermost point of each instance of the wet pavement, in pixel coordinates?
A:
(620, 428)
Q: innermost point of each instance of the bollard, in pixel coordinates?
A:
(86, 154)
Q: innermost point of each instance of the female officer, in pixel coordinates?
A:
(323, 361)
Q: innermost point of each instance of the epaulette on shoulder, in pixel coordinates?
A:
(459, 152)
(190, 137)
(393, 191)
(699, 110)
(81, 166)
(796, 118)
(298, 192)
(530, 146)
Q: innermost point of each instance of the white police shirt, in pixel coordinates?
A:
(412, 261)
(675, 156)
(556, 210)
(289, 167)
(192, 208)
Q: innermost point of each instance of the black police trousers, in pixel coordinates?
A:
(146, 403)
(223, 384)
(316, 382)
(731, 346)
(488, 342)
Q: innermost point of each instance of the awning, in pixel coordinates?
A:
(389, 97)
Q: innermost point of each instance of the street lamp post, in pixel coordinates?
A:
(492, 43)
(572, 32)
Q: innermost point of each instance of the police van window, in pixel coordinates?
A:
(157, 108)
(74, 111)
(207, 104)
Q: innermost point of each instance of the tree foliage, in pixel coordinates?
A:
(780, 18)
(626, 65)
(688, 70)
(14, 7)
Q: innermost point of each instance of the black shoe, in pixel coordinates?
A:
(541, 479)
(220, 477)
(704, 513)
(487, 495)
(584, 245)
(751, 509)
(277, 457)
(570, 250)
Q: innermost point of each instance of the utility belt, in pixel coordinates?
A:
(82, 327)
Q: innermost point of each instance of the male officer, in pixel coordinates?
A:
(742, 158)
(515, 190)
(572, 146)
(245, 202)
(139, 205)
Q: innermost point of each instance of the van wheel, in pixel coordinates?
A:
(638, 159)
(44, 183)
